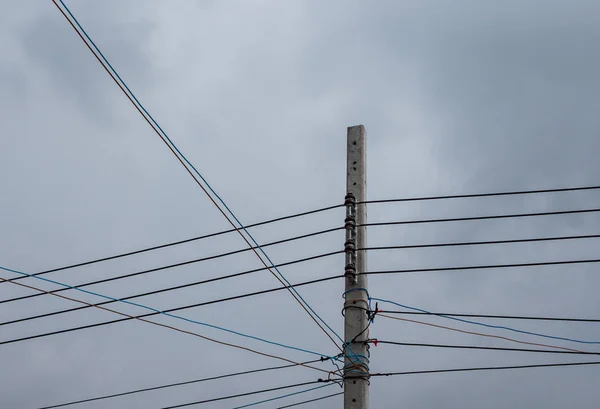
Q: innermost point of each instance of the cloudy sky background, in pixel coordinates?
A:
(457, 97)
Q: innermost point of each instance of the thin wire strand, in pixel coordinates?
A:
(485, 348)
(489, 368)
(471, 195)
(511, 317)
(239, 395)
(478, 243)
(274, 243)
(161, 312)
(311, 400)
(491, 217)
(481, 267)
(162, 134)
(212, 378)
(99, 324)
(481, 334)
(152, 270)
(502, 327)
(235, 297)
(283, 396)
(176, 329)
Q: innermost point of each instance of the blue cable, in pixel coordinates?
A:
(489, 325)
(163, 313)
(196, 171)
(283, 396)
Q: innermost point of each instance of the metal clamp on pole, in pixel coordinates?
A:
(350, 244)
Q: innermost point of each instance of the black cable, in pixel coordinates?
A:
(513, 317)
(475, 243)
(489, 368)
(167, 311)
(548, 351)
(212, 378)
(424, 270)
(49, 314)
(310, 400)
(462, 219)
(175, 243)
(239, 395)
(105, 280)
(522, 192)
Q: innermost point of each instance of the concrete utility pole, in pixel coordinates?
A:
(356, 304)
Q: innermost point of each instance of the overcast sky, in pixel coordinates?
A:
(457, 97)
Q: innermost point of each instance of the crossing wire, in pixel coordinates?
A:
(151, 309)
(209, 280)
(292, 216)
(183, 160)
(303, 236)
(100, 324)
(235, 297)
(174, 329)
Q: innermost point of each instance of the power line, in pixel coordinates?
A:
(283, 396)
(210, 280)
(303, 236)
(481, 267)
(153, 388)
(476, 243)
(501, 216)
(313, 234)
(311, 400)
(239, 395)
(63, 331)
(481, 334)
(181, 157)
(512, 317)
(482, 324)
(153, 310)
(235, 297)
(278, 219)
(488, 368)
(411, 344)
(173, 328)
(463, 196)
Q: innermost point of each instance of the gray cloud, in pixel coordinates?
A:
(457, 97)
